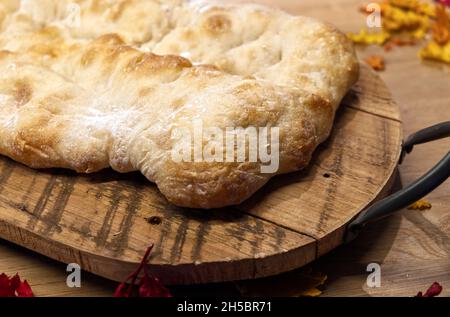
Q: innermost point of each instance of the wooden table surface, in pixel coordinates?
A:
(412, 247)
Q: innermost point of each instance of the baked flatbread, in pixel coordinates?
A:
(91, 84)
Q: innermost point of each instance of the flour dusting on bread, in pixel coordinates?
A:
(91, 84)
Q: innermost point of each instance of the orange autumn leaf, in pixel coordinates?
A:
(420, 205)
(399, 42)
(441, 28)
(318, 279)
(403, 42)
(376, 62)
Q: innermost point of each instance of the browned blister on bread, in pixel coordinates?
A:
(87, 85)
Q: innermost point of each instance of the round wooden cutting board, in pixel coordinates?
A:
(105, 221)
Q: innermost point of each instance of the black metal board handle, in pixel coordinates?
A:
(414, 191)
(435, 132)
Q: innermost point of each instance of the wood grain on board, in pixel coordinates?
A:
(347, 172)
(105, 221)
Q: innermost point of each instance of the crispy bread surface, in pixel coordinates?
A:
(91, 84)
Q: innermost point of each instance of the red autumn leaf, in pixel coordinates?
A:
(14, 282)
(434, 290)
(121, 291)
(14, 287)
(446, 2)
(24, 290)
(149, 286)
(152, 287)
(5, 286)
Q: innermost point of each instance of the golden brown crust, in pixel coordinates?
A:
(112, 90)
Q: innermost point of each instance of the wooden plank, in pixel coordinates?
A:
(412, 252)
(47, 277)
(365, 97)
(101, 222)
(347, 173)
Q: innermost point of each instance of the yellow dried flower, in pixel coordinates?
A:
(436, 52)
(419, 33)
(396, 19)
(416, 6)
(365, 37)
(420, 205)
(411, 20)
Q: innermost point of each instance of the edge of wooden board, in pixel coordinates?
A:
(192, 273)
